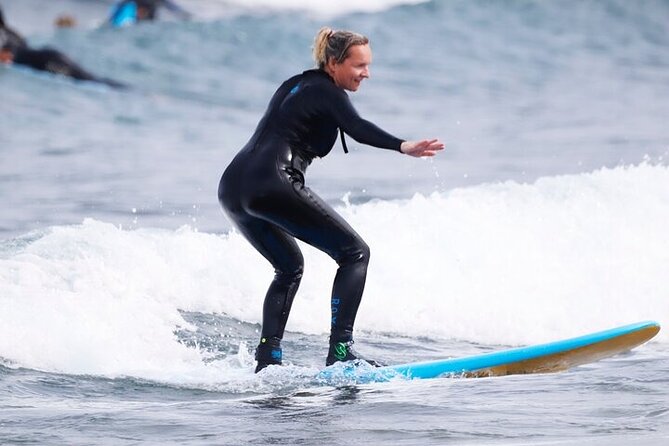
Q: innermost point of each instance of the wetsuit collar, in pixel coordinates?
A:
(320, 72)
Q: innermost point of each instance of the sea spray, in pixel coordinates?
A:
(504, 263)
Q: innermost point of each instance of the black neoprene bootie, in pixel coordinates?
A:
(268, 353)
(342, 351)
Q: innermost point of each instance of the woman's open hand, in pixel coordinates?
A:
(425, 147)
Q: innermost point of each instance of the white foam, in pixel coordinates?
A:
(501, 264)
(324, 9)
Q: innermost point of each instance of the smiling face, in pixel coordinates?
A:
(353, 69)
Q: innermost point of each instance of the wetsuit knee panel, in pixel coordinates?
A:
(291, 270)
(289, 278)
(356, 253)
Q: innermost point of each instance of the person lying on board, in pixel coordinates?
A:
(14, 49)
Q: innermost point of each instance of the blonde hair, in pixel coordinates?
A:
(330, 44)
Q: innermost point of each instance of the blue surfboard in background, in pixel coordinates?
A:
(543, 358)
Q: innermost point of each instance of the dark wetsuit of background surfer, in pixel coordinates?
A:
(45, 59)
(53, 61)
(263, 191)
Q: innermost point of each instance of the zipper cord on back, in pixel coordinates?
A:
(343, 141)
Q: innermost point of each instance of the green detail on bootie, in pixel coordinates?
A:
(340, 350)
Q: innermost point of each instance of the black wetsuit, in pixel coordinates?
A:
(53, 61)
(9, 39)
(45, 59)
(263, 192)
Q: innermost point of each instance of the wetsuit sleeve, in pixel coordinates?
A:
(347, 118)
(11, 40)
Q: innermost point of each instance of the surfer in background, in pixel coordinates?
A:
(65, 21)
(129, 12)
(15, 50)
(263, 189)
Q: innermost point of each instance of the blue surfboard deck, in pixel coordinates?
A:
(543, 358)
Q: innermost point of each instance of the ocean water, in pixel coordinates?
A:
(129, 308)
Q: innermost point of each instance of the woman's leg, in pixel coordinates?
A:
(270, 220)
(307, 217)
(281, 250)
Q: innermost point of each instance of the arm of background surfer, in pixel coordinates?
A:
(9, 38)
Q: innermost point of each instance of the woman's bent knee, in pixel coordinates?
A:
(356, 253)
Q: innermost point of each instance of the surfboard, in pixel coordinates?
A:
(542, 358)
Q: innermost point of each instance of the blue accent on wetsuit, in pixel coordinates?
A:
(124, 14)
(264, 193)
(127, 12)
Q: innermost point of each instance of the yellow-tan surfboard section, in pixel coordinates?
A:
(544, 358)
